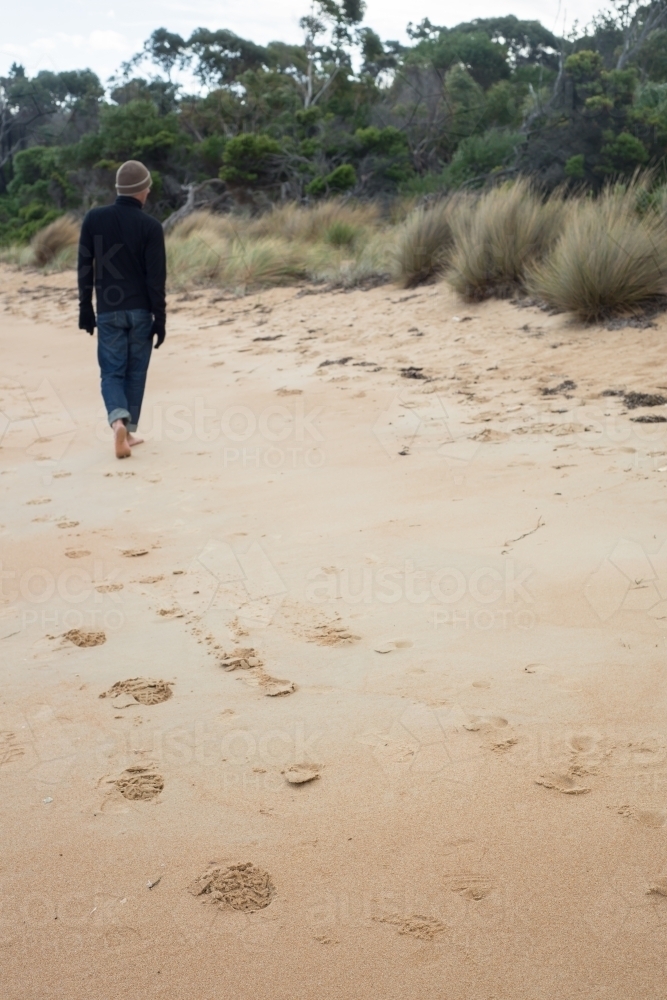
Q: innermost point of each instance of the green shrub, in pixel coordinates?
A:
(623, 154)
(249, 159)
(479, 155)
(343, 178)
(209, 152)
(584, 66)
(136, 131)
(574, 167)
(33, 165)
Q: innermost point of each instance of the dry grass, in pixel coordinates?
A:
(263, 262)
(500, 236)
(608, 260)
(16, 255)
(424, 243)
(370, 263)
(591, 256)
(333, 241)
(56, 240)
(196, 257)
(290, 222)
(206, 257)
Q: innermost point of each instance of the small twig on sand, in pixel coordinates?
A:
(540, 524)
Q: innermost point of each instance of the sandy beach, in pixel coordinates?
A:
(399, 564)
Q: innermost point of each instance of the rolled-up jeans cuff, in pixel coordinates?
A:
(119, 414)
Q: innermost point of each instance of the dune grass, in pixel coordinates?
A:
(53, 248)
(593, 256)
(56, 243)
(499, 236)
(424, 242)
(334, 241)
(608, 260)
(16, 255)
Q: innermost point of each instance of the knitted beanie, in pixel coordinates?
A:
(132, 178)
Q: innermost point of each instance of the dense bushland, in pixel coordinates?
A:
(456, 109)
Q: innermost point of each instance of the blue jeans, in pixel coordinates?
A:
(124, 345)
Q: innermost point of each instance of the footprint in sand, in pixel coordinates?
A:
(497, 732)
(389, 645)
(324, 631)
(141, 691)
(67, 524)
(140, 783)
(417, 926)
(242, 887)
(653, 818)
(491, 436)
(658, 887)
(470, 885)
(246, 659)
(565, 783)
(83, 638)
(77, 553)
(38, 500)
(301, 774)
(10, 748)
(109, 588)
(331, 635)
(133, 553)
(274, 687)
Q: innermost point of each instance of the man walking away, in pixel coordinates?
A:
(122, 256)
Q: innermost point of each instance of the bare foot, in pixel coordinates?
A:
(120, 439)
(133, 439)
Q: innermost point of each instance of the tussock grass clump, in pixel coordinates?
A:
(608, 259)
(424, 243)
(55, 241)
(500, 236)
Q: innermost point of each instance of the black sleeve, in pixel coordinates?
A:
(86, 265)
(155, 263)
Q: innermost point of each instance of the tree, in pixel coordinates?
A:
(324, 62)
(638, 21)
(50, 107)
(220, 57)
(164, 49)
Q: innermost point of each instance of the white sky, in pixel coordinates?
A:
(74, 34)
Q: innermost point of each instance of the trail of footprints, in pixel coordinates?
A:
(143, 782)
(241, 887)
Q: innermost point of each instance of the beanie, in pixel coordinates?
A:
(132, 178)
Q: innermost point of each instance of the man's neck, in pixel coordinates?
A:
(126, 199)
